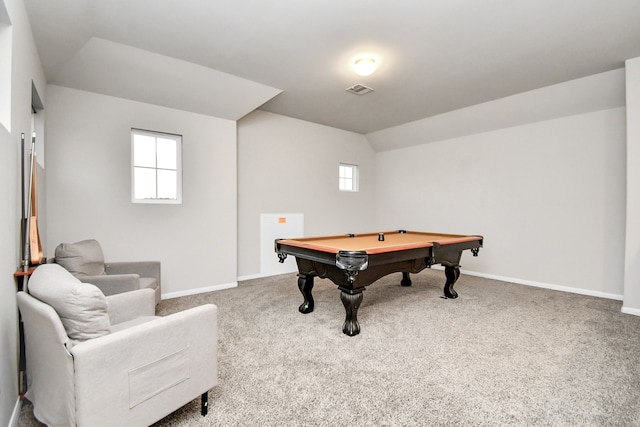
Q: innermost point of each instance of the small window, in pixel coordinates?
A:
(156, 167)
(348, 177)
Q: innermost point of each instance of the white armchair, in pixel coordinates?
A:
(104, 361)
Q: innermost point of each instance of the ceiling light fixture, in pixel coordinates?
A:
(364, 66)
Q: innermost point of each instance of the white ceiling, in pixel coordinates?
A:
(291, 57)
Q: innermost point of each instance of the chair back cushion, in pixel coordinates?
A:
(84, 258)
(82, 307)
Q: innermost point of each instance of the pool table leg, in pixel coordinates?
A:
(351, 304)
(452, 273)
(305, 284)
(406, 280)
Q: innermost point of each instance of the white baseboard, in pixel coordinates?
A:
(629, 310)
(253, 276)
(216, 287)
(546, 285)
(260, 276)
(199, 290)
(15, 416)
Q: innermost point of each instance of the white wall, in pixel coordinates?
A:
(25, 71)
(549, 197)
(287, 165)
(631, 302)
(88, 188)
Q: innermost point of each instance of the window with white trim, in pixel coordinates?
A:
(348, 177)
(156, 167)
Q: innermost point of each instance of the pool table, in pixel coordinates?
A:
(354, 261)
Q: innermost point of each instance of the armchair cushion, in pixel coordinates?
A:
(131, 305)
(82, 307)
(84, 258)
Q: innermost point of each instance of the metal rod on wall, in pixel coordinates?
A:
(24, 220)
(26, 205)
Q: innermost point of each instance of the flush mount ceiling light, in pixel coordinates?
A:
(364, 66)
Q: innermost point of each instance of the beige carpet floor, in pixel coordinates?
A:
(501, 354)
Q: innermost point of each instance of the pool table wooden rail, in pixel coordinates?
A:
(393, 241)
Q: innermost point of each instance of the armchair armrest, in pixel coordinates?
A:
(147, 371)
(129, 305)
(142, 268)
(114, 283)
(49, 363)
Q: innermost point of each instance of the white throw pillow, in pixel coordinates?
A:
(82, 307)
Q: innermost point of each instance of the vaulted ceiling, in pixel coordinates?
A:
(229, 57)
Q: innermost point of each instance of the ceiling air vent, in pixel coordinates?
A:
(359, 89)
